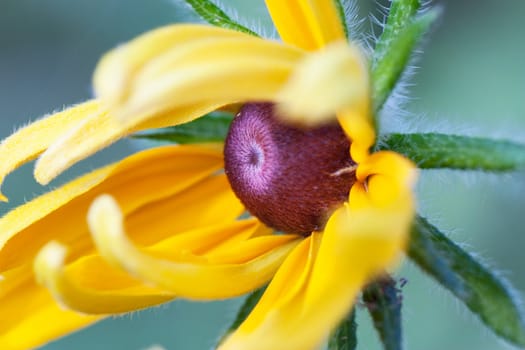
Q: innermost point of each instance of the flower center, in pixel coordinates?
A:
(290, 178)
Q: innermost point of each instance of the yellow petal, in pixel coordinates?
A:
(186, 279)
(357, 246)
(197, 52)
(309, 24)
(388, 163)
(27, 143)
(187, 210)
(388, 176)
(50, 271)
(202, 240)
(358, 126)
(27, 310)
(113, 76)
(197, 207)
(25, 229)
(358, 196)
(324, 83)
(287, 283)
(143, 178)
(151, 83)
(253, 68)
(162, 90)
(249, 250)
(99, 130)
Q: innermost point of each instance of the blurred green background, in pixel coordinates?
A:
(471, 79)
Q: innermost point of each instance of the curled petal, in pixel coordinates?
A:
(50, 271)
(358, 126)
(327, 82)
(288, 283)
(317, 284)
(388, 176)
(271, 324)
(27, 309)
(27, 143)
(99, 130)
(167, 77)
(24, 230)
(66, 137)
(315, 22)
(113, 76)
(90, 125)
(197, 280)
(390, 164)
(197, 52)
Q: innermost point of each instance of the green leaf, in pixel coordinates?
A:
(210, 128)
(395, 46)
(432, 150)
(212, 14)
(344, 337)
(485, 293)
(245, 309)
(341, 11)
(383, 301)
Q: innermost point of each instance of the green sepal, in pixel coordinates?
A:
(432, 150)
(245, 309)
(395, 47)
(209, 128)
(400, 14)
(342, 16)
(484, 292)
(383, 300)
(214, 15)
(344, 337)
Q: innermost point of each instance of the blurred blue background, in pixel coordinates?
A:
(471, 79)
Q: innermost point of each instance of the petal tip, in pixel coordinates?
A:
(48, 260)
(109, 78)
(49, 165)
(104, 218)
(42, 176)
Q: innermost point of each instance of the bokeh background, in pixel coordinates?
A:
(470, 79)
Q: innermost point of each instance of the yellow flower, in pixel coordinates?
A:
(164, 223)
